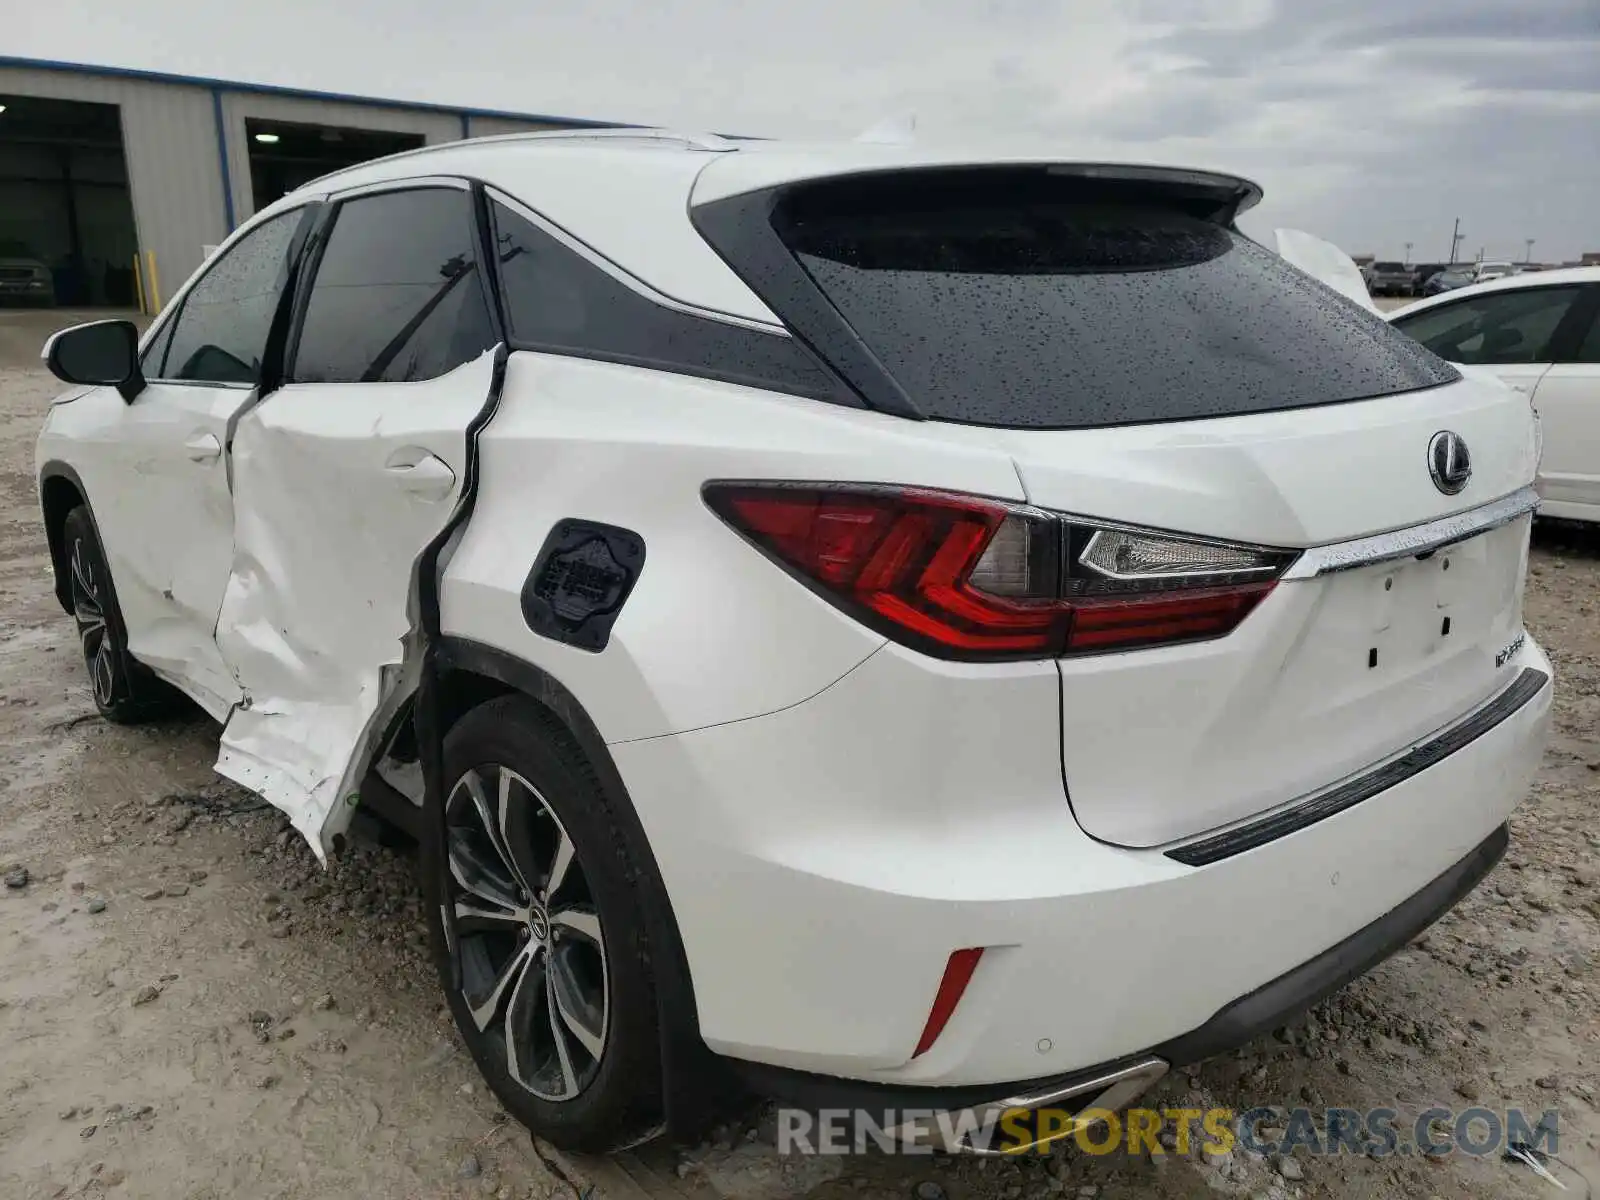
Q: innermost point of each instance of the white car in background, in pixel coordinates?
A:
(1540, 333)
(872, 622)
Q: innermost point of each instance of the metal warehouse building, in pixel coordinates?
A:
(115, 183)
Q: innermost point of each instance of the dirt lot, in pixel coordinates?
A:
(190, 1008)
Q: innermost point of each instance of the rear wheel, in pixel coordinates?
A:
(124, 691)
(538, 935)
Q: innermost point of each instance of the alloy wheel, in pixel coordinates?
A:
(525, 933)
(94, 634)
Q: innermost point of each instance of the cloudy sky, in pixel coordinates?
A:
(1370, 122)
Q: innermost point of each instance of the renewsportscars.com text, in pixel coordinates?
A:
(1374, 1133)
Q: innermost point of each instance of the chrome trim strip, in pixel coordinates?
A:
(410, 183)
(1192, 573)
(1416, 540)
(1306, 810)
(1111, 1092)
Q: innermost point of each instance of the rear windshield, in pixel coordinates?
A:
(1389, 267)
(1034, 307)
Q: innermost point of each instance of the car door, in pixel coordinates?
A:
(158, 481)
(1568, 401)
(341, 476)
(1511, 332)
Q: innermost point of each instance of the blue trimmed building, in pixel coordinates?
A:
(197, 157)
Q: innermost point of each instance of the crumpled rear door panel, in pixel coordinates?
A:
(337, 490)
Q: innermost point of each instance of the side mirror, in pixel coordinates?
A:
(104, 353)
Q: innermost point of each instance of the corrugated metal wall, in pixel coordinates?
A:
(170, 141)
(490, 126)
(174, 161)
(236, 106)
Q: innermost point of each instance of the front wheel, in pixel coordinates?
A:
(124, 691)
(538, 935)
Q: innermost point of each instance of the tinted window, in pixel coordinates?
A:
(397, 295)
(1500, 327)
(1589, 348)
(221, 332)
(559, 302)
(1015, 301)
(154, 356)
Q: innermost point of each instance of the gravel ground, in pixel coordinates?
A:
(190, 1007)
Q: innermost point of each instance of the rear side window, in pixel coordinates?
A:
(559, 302)
(221, 333)
(1589, 348)
(1498, 327)
(1035, 300)
(397, 295)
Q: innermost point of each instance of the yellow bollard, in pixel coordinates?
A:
(155, 283)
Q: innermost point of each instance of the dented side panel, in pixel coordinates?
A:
(337, 490)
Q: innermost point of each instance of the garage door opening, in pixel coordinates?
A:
(285, 155)
(67, 235)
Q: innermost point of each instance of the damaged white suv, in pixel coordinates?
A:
(895, 629)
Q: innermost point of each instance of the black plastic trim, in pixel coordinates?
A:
(1312, 982)
(1364, 786)
(606, 547)
(56, 469)
(698, 1085)
(1235, 1024)
(740, 229)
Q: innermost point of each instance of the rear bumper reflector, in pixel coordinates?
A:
(1321, 805)
(957, 974)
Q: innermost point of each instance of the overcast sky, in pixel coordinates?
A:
(1369, 122)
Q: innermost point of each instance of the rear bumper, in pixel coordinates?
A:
(1263, 1009)
(823, 862)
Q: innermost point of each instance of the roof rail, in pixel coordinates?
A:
(711, 143)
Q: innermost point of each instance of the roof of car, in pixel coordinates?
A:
(1505, 283)
(627, 192)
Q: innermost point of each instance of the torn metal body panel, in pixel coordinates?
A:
(1324, 261)
(337, 490)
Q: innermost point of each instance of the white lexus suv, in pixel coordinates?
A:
(892, 628)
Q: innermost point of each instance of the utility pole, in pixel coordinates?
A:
(1408, 254)
(1527, 249)
(1455, 239)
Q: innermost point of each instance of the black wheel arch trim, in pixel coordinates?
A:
(696, 1086)
(697, 1083)
(56, 469)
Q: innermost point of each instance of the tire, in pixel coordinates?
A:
(551, 987)
(124, 690)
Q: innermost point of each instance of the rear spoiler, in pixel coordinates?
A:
(1325, 262)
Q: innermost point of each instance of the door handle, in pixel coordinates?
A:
(421, 473)
(203, 448)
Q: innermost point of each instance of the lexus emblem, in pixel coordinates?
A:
(1449, 462)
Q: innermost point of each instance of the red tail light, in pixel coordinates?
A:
(966, 577)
